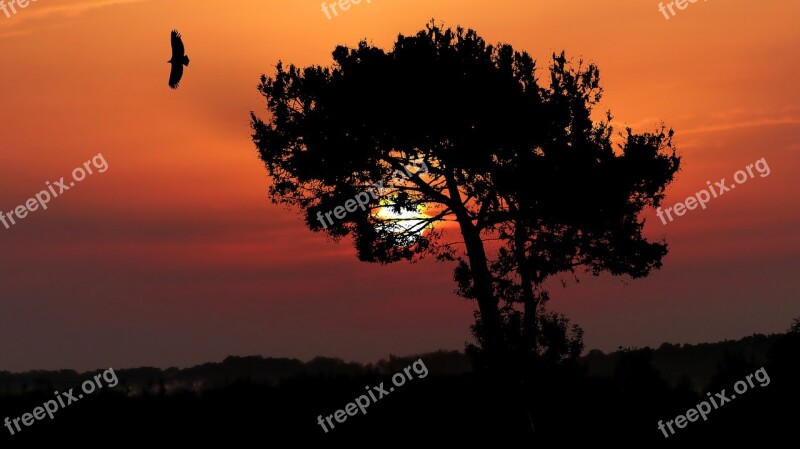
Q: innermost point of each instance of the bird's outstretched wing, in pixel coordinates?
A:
(177, 46)
(175, 75)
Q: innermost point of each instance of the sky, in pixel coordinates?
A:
(175, 255)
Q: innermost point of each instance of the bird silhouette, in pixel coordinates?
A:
(179, 59)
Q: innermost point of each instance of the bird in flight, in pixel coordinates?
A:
(179, 59)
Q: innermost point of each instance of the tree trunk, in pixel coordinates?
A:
(493, 343)
(487, 302)
(526, 283)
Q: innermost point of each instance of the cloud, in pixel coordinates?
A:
(41, 11)
(746, 124)
(74, 9)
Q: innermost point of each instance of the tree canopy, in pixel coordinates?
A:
(521, 182)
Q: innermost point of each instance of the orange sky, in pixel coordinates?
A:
(176, 256)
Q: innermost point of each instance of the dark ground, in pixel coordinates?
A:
(616, 398)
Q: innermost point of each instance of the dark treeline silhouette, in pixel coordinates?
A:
(614, 398)
(208, 376)
(692, 364)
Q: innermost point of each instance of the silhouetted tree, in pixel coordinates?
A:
(533, 185)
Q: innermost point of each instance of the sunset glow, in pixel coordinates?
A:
(176, 255)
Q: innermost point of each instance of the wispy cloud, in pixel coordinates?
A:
(745, 124)
(39, 12)
(77, 8)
